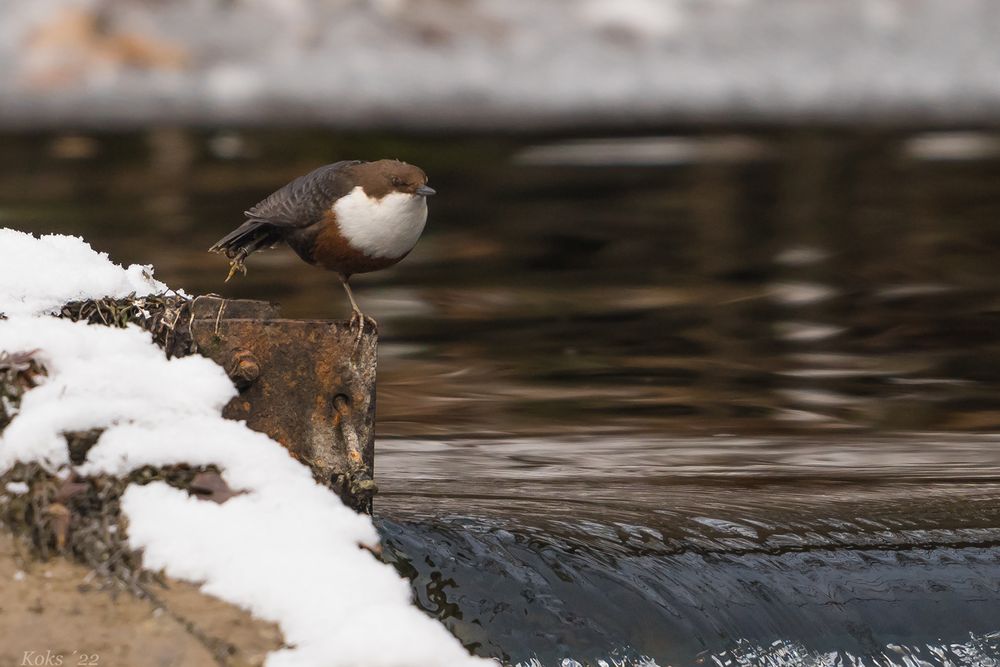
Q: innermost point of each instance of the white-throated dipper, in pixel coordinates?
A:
(348, 217)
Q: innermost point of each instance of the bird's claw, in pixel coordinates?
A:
(360, 319)
(237, 264)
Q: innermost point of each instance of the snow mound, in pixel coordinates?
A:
(498, 65)
(38, 275)
(284, 547)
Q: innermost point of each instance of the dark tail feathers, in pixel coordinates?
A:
(249, 237)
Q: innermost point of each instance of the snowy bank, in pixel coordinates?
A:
(40, 275)
(487, 64)
(277, 543)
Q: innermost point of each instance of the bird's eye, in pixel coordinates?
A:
(397, 182)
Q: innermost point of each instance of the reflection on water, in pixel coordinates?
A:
(734, 283)
(680, 397)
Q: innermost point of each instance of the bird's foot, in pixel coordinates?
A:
(360, 320)
(237, 264)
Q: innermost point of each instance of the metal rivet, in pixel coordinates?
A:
(342, 404)
(245, 368)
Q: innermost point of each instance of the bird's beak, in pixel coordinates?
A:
(425, 191)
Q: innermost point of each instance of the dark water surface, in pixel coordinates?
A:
(718, 397)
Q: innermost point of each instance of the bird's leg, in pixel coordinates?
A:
(356, 314)
(355, 310)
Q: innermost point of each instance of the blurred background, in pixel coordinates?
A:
(703, 324)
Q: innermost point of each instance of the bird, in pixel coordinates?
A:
(348, 217)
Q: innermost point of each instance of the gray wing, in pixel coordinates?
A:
(299, 204)
(303, 201)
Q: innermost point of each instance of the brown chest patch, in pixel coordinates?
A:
(332, 251)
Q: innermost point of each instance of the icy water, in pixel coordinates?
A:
(718, 397)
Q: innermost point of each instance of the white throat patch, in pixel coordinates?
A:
(387, 227)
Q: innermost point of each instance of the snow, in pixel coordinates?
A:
(654, 18)
(17, 488)
(285, 548)
(489, 64)
(101, 376)
(38, 275)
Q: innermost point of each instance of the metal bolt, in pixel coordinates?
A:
(342, 404)
(245, 369)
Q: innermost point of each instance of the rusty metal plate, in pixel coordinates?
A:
(310, 385)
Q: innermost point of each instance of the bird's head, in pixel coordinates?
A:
(385, 176)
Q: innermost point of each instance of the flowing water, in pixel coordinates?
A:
(713, 397)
